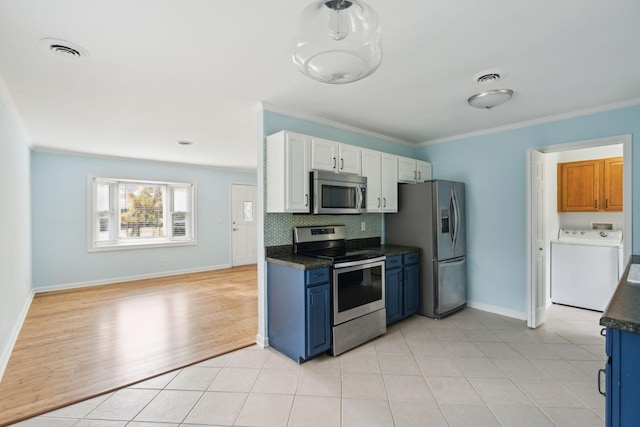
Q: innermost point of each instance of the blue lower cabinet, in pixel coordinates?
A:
(318, 321)
(411, 289)
(623, 379)
(402, 284)
(298, 310)
(393, 294)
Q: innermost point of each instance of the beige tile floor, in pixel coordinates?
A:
(471, 369)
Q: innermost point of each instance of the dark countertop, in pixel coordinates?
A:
(283, 256)
(623, 311)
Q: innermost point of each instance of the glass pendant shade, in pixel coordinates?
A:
(338, 41)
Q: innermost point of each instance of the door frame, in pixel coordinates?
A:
(627, 192)
(249, 184)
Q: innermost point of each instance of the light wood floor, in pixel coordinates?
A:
(81, 343)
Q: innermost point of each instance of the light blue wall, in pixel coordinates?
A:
(15, 231)
(59, 199)
(494, 170)
(275, 122)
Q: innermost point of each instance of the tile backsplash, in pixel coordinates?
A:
(278, 226)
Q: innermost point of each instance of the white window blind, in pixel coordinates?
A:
(128, 213)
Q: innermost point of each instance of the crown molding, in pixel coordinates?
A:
(322, 121)
(534, 122)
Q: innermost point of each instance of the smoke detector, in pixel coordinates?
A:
(489, 76)
(64, 48)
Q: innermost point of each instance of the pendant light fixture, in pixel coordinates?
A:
(338, 41)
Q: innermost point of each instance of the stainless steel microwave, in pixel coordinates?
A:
(338, 194)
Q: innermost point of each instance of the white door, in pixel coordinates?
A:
(371, 168)
(389, 183)
(537, 293)
(324, 155)
(244, 238)
(424, 171)
(407, 169)
(297, 174)
(350, 159)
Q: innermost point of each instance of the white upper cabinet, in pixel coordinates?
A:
(335, 157)
(412, 170)
(389, 183)
(288, 172)
(291, 156)
(381, 171)
(424, 170)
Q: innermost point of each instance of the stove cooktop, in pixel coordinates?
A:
(341, 254)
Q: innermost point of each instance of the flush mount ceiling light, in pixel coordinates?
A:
(338, 41)
(490, 98)
(64, 48)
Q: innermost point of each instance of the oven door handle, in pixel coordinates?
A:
(359, 262)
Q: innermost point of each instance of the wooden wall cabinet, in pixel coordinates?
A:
(590, 185)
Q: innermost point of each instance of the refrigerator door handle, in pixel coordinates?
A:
(454, 214)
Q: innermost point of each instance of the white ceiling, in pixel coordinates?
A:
(160, 71)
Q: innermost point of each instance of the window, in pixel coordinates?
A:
(128, 213)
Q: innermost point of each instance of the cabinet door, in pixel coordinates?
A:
(318, 321)
(350, 159)
(371, 168)
(579, 186)
(324, 155)
(389, 183)
(411, 289)
(613, 169)
(424, 171)
(407, 169)
(393, 295)
(297, 173)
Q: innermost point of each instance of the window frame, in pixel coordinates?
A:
(160, 242)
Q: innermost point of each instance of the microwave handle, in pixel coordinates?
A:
(360, 198)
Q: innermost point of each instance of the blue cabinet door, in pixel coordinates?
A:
(411, 289)
(393, 295)
(318, 322)
(623, 378)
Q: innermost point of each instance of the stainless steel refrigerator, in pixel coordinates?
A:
(431, 217)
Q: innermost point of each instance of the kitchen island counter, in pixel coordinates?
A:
(623, 311)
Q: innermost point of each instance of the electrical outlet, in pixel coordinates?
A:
(363, 226)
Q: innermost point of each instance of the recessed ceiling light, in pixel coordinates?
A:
(185, 142)
(64, 48)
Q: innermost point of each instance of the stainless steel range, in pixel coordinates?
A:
(358, 308)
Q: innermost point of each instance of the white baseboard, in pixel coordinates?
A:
(520, 315)
(262, 341)
(66, 286)
(6, 352)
